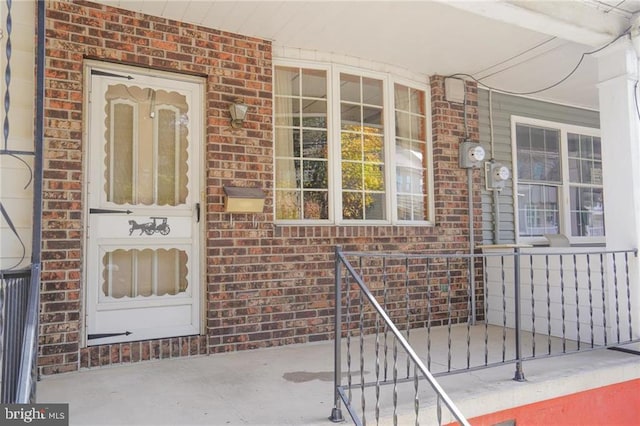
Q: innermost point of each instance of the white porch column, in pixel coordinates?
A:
(620, 132)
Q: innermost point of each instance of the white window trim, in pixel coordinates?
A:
(333, 130)
(563, 189)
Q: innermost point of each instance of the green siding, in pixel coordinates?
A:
(505, 106)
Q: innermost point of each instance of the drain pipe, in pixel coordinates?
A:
(38, 136)
(472, 244)
(495, 193)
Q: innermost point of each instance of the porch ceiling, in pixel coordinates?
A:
(519, 46)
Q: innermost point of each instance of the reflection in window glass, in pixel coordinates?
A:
(542, 207)
(362, 148)
(411, 154)
(301, 144)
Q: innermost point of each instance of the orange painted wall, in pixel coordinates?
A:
(614, 405)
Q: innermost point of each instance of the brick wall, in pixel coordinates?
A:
(266, 284)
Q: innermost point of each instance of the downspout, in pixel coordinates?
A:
(472, 242)
(38, 135)
(495, 192)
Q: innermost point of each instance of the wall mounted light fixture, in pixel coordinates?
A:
(238, 111)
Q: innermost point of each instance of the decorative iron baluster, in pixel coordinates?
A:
(575, 277)
(361, 329)
(385, 295)
(349, 381)
(546, 262)
(448, 264)
(564, 337)
(470, 318)
(439, 410)
(590, 298)
(428, 277)
(7, 77)
(626, 270)
(395, 381)
(486, 311)
(407, 306)
(533, 309)
(416, 399)
(617, 295)
(604, 302)
(377, 412)
(504, 309)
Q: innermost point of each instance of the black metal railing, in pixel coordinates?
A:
(18, 338)
(398, 312)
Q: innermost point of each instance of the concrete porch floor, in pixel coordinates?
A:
(292, 385)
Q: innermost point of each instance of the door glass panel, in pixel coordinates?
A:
(144, 273)
(146, 146)
(120, 168)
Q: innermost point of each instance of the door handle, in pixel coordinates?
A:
(197, 212)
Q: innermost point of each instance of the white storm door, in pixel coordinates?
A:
(142, 258)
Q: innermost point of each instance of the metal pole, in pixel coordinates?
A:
(472, 243)
(336, 413)
(519, 375)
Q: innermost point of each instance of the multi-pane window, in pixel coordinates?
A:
(341, 138)
(411, 153)
(559, 174)
(301, 144)
(585, 185)
(362, 147)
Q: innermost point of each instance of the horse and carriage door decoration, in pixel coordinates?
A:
(143, 193)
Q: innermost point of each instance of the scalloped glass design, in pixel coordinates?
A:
(146, 146)
(144, 273)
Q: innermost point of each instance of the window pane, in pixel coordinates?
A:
(352, 175)
(362, 147)
(119, 187)
(315, 174)
(372, 120)
(374, 206)
(351, 146)
(373, 147)
(374, 177)
(587, 212)
(314, 113)
(538, 210)
(586, 158)
(538, 154)
(314, 83)
(288, 205)
(287, 81)
(284, 109)
(401, 97)
(146, 146)
(288, 173)
(314, 144)
(301, 153)
(144, 273)
(349, 88)
(316, 205)
(352, 206)
(350, 116)
(410, 157)
(403, 125)
(372, 91)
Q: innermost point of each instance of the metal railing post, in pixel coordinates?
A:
(336, 413)
(519, 375)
